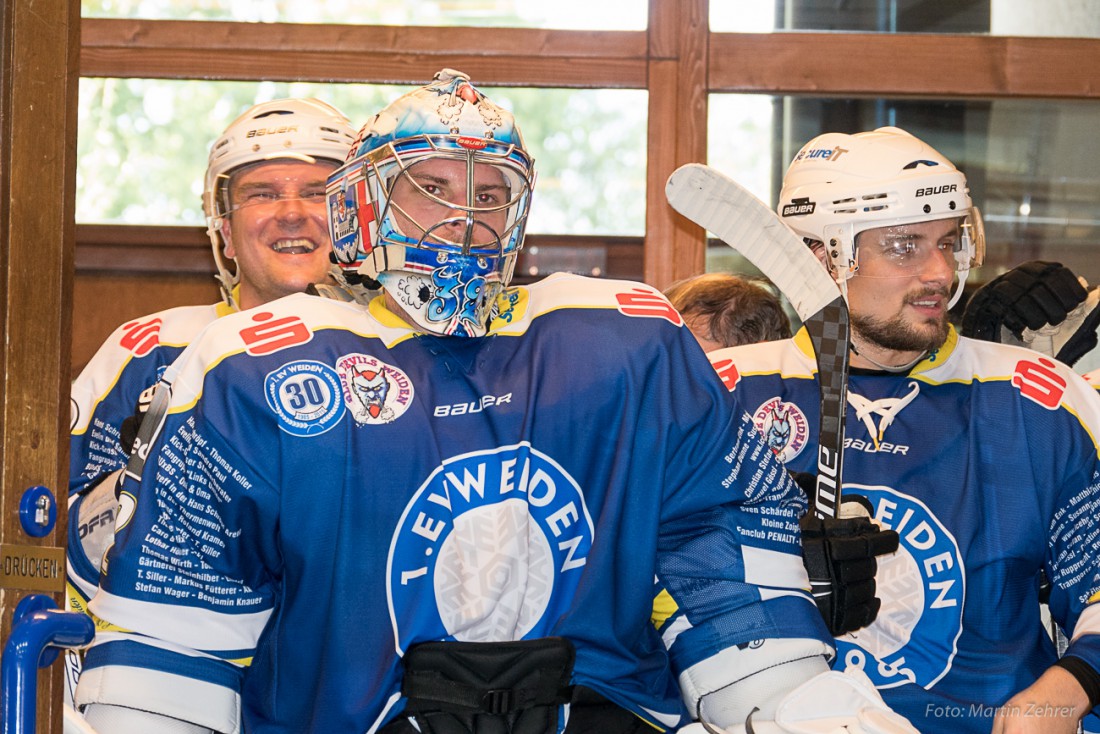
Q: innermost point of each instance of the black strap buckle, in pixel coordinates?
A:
(498, 701)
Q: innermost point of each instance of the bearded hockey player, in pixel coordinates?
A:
(983, 457)
(474, 546)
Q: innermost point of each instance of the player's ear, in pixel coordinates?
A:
(818, 249)
(227, 238)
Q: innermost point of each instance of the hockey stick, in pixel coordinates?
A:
(722, 206)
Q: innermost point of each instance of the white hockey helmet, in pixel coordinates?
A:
(839, 185)
(296, 129)
(446, 268)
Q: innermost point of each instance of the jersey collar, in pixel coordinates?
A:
(934, 359)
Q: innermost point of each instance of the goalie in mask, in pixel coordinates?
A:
(477, 550)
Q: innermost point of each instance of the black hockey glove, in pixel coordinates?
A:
(840, 557)
(128, 431)
(1030, 295)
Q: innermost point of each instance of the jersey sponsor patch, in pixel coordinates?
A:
(783, 426)
(141, 337)
(270, 336)
(374, 392)
(643, 302)
(727, 370)
(491, 547)
(511, 306)
(306, 397)
(922, 587)
(1039, 382)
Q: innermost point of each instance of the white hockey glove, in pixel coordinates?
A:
(96, 509)
(829, 703)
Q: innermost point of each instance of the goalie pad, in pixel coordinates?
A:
(829, 703)
(727, 686)
(74, 723)
(121, 720)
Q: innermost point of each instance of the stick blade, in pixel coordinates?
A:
(733, 214)
(722, 206)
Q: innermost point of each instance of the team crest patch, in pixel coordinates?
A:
(374, 392)
(350, 217)
(783, 426)
(491, 547)
(305, 396)
(914, 638)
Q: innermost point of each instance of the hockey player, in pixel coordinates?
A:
(725, 310)
(265, 208)
(353, 501)
(981, 456)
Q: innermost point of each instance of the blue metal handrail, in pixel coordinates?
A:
(39, 628)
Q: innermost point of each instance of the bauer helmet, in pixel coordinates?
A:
(839, 185)
(298, 129)
(432, 204)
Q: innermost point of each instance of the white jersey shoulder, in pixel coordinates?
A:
(518, 307)
(790, 358)
(136, 338)
(1043, 379)
(287, 322)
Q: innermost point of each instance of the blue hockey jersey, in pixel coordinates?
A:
(328, 488)
(984, 459)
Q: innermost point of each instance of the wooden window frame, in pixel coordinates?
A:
(677, 60)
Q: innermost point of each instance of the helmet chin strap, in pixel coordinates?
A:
(959, 286)
(889, 368)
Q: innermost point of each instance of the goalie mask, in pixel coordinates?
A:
(306, 130)
(839, 185)
(433, 203)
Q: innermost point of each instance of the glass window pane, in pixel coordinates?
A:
(1057, 18)
(1031, 165)
(143, 144)
(610, 15)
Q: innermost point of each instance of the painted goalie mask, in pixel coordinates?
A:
(432, 204)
